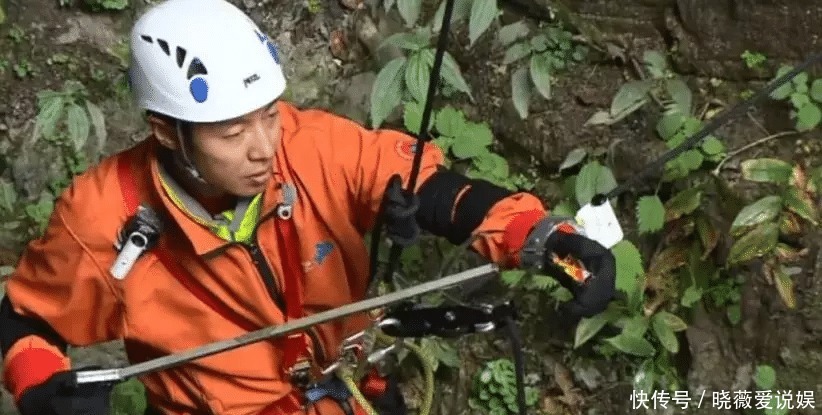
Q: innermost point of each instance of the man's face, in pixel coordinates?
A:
(236, 156)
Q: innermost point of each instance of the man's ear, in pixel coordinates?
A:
(164, 130)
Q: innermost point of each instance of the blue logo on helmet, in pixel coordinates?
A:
(199, 89)
(271, 48)
(197, 84)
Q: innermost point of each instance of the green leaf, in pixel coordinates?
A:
(412, 116)
(680, 93)
(386, 92)
(665, 335)
(600, 118)
(683, 203)
(637, 346)
(589, 327)
(691, 159)
(516, 52)
(799, 202)
(484, 163)
(691, 295)
(500, 169)
(799, 100)
(816, 90)
(785, 286)
(765, 377)
(8, 196)
(461, 10)
(630, 94)
(655, 62)
(650, 214)
(465, 148)
(766, 170)
(628, 266)
(413, 41)
(787, 88)
(483, 13)
(734, 313)
(541, 74)
(510, 33)
(672, 321)
(763, 210)
(479, 133)
(539, 43)
(635, 326)
(450, 121)
(512, 277)
(409, 10)
(645, 377)
(51, 110)
(808, 117)
(816, 178)
(800, 79)
(593, 179)
(521, 91)
(98, 120)
(417, 76)
(712, 146)
(759, 241)
(79, 126)
(453, 76)
(444, 143)
(669, 124)
(542, 282)
(573, 158)
(564, 208)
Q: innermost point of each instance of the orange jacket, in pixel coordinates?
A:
(340, 170)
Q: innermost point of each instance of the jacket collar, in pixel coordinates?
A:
(201, 237)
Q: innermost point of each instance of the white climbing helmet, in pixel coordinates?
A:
(202, 61)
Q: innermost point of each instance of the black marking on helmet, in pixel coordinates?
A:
(196, 68)
(181, 56)
(253, 78)
(164, 46)
(147, 38)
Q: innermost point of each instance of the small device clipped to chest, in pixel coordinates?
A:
(140, 233)
(285, 210)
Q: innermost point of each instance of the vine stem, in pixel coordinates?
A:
(749, 146)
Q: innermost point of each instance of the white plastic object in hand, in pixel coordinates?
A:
(600, 223)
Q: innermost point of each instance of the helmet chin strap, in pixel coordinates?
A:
(186, 162)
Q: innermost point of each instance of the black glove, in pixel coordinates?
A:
(593, 284)
(61, 395)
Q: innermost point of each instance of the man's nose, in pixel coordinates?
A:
(262, 143)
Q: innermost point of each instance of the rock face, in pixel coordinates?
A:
(709, 35)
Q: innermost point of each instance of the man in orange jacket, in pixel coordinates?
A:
(260, 208)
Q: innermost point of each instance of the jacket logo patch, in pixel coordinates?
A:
(321, 252)
(406, 149)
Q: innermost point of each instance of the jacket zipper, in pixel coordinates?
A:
(260, 262)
